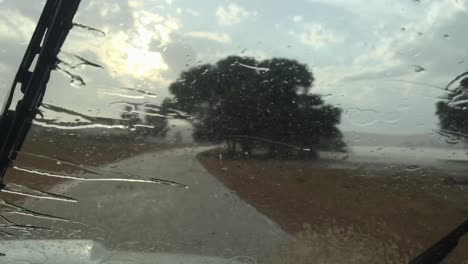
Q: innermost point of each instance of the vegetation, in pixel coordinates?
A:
(242, 101)
(154, 121)
(453, 111)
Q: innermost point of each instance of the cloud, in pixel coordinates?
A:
(317, 36)
(380, 75)
(232, 14)
(192, 12)
(297, 19)
(133, 53)
(373, 8)
(215, 56)
(405, 48)
(4, 67)
(14, 26)
(214, 36)
(109, 9)
(393, 52)
(149, 27)
(6, 74)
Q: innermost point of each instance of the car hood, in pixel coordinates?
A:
(88, 251)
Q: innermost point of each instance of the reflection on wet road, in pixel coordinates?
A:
(205, 219)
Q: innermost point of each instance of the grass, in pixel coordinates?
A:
(389, 215)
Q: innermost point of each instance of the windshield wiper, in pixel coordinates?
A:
(440, 250)
(51, 31)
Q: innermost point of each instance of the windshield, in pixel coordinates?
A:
(302, 132)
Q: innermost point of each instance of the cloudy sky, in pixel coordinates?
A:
(382, 61)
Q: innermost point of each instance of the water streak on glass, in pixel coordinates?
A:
(130, 180)
(16, 209)
(89, 28)
(324, 130)
(34, 193)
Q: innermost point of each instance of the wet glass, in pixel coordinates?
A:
(250, 131)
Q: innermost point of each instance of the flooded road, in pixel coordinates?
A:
(205, 219)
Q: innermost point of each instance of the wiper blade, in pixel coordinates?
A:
(51, 31)
(440, 250)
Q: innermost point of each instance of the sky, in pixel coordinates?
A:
(384, 62)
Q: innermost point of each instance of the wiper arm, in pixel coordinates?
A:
(440, 250)
(51, 31)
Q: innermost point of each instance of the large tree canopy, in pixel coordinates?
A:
(242, 98)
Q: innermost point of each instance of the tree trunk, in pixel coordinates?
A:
(230, 147)
(246, 146)
(234, 146)
(273, 151)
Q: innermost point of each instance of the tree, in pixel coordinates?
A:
(154, 121)
(453, 111)
(240, 100)
(130, 117)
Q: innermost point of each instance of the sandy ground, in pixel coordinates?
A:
(348, 215)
